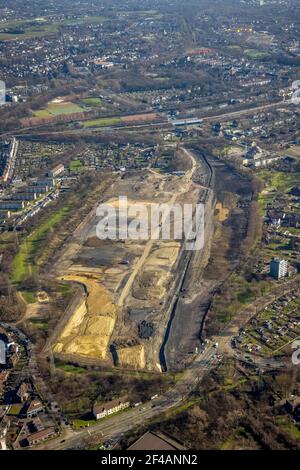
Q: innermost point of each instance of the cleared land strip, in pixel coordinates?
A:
(155, 236)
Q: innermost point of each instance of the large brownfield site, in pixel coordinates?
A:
(128, 313)
(120, 316)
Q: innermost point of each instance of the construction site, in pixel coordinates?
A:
(134, 294)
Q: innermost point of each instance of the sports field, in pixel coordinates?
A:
(58, 108)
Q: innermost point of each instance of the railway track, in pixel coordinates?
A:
(188, 257)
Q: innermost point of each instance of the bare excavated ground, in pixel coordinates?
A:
(123, 316)
(225, 230)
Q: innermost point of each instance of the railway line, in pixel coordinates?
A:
(30, 132)
(187, 258)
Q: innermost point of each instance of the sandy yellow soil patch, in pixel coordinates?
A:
(222, 212)
(133, 356)
(89, 329)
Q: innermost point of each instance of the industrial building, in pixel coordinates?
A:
(278, 268)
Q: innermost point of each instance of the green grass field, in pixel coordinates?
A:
(28, 296)
(42, 113)
(57, 109)
(70, 368)
(91, 101)
(24, 262)
(15, 409)
(39, 324)
(276, 182)
(279, 181)
(79, 424)
(256, 54)
(65, 289)
(287, 426)
(76, 165)
(234, 47)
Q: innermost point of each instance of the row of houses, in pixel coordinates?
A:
(30, 416)
(18, 200)
(280, 218)
(102, 410)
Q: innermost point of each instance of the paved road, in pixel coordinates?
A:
(121, 423)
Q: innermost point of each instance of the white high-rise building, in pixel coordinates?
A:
(278, 268)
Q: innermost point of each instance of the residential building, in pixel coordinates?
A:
(4, 427)
(40, 436)
(24, 196)
(13, 355)
(4, 214)
(12, 205)
(37, 189)
(104, 409)
(3, 378)
(278, 268)
(34, 408)
(50, 182)
(57, 170)
(23, 392)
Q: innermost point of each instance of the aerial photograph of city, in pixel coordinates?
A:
(149, 228)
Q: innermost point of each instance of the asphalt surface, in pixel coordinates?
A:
(119, 424)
